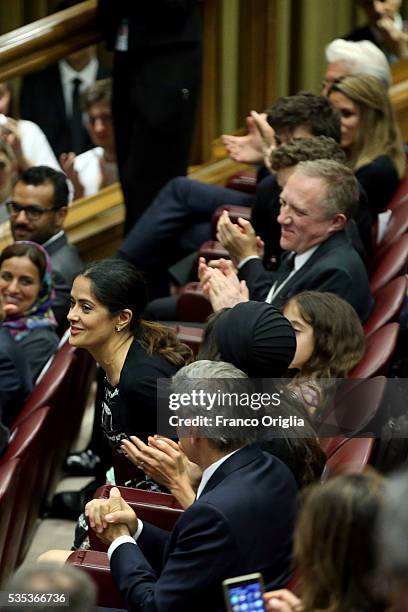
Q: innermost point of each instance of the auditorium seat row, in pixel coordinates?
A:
(40, 438)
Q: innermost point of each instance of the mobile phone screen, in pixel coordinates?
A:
(246, 597)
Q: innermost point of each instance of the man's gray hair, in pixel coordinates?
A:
(342, 192)
(228, 384)
(393, 528)
(204, 368)
(53, 578)
(361, 57)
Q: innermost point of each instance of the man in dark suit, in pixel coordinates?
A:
(316, 203)
(38, 207)
(179, 219)
(43, 101)
(241, 521)
(51, 97)
(156, 78)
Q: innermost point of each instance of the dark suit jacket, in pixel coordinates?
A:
(42, 101)
(15, 378)
(335, 266)
(66, 265)
(242, 523)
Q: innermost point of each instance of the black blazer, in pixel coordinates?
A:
(335, 266)
(242, 523)
(42, 101)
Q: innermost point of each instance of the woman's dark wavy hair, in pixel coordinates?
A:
(117, 285)
(339, 341)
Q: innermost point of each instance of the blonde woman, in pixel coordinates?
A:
(370, 137)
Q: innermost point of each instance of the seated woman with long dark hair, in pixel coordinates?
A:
(107, 303)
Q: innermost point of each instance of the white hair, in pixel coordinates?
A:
(204, 368)
(361, 57)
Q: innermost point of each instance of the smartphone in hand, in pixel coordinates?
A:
(244, 593)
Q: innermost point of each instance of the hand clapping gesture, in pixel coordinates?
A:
(163, 460)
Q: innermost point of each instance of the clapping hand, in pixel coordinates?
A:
(163, 460)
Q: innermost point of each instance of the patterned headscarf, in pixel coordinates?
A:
(40, 314)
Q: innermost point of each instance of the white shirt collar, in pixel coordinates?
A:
(299, 261)
(302, 258)
(209, 471)
(87, 76)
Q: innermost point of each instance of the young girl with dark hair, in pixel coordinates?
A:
(330, 342)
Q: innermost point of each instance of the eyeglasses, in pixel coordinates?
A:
(33, 213)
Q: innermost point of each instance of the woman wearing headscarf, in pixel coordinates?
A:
(26, 292)
(256, 338)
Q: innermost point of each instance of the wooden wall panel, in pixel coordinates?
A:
(258, 55)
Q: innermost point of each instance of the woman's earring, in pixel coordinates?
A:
(117, 328)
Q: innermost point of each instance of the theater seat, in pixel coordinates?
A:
(397, 227)
(330, 445)
(380, 347)
(192, 336)
(401, 195)
(233, 211)
(53, 387)
(350, 458)
(9, 482)
(392, 264)
(354, 408)
(96, 565)
(192, 305)
(388, 304)
(242, 181)
(64, 387)
(32, 445)
(211, 249)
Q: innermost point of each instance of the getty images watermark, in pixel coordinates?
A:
(272, 408)
(214, 404)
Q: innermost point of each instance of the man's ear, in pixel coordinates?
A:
(124, 318)
(339, 222)
(60, 215)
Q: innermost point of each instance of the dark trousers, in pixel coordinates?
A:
(176, 224)
(153, 126)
